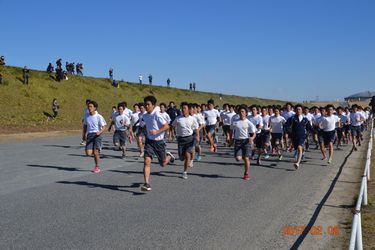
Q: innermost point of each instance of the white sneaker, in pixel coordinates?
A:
(184, 175)
(83, 143)
(141, 154)
(172, 157)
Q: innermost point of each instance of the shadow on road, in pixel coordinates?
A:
(57, 167)
(104, 186)
(64, 146)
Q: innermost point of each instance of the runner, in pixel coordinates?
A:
(242, 129)
(257, 121)
(276, 128)
(155, 126)
(266, 134)
(356, 119)
(309, 117)
(212, 117)
(187, 136)
(195, 111)
(298, 125)
(140, 133)
(287, 113)
(122, 124)
(173, 113)
(315, 122)
(94, 126)
(227, 120)
(328, 125)
(341, 129)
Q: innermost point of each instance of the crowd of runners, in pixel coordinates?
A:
(254, 132)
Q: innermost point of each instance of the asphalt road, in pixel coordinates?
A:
(49, 199)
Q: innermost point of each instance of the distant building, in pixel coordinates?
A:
(363, 96)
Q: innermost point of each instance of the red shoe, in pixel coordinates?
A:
(96, 169)
(246, 177)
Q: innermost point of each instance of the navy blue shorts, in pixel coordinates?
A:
(356, 131)
(185, 145)
(210, 129)
(298, 141)
(276, 137)
(329, 136)
(119, 137)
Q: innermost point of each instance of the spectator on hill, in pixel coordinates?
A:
(168, 82)
(55, 108)
(115, 84)
(140, 77)
(150, 79)
(79, 69)
(2, 60)
(50, 68)
(194, 86)
(111, 74)
(1, 78)
(26, 75)
(59, 64)
(190, 86)
(59, 74)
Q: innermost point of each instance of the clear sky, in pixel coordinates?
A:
(283, 49)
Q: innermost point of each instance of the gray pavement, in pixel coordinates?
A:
(49, 199)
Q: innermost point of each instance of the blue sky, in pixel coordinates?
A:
(283, 49)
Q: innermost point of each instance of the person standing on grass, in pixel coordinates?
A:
(155, 126)
(187, 136)
(55, 108)
(243, 135)
(168, 82)
(140, 78)
(110, 72)
(94, 127)
(328, 126)
(26, 75)
(150, 79)
(298, 124)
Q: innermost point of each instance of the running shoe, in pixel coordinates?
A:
(303, 157)
(83, 143)
(96, 169)
(184, 175)
(266, 156)
(330, 160)
(172, 157)
(141, 154)
(246, 177)
(259, 162)
(198, 157)
(280, 157)
(123, 156)
(296, 165)
(146, 187)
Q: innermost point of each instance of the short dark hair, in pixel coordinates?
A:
(242, 106)
(211, 101)
(125, 103)
(163, 104)
(121, 104)
(136, 105)
(354, 106)
(185, 104)
(290, 104)
(330, 106)
(87, 101)
(94, 103)
(297, 105)
(151, 99)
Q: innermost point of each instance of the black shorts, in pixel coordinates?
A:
(287, 130)
(320, 136)
(210, 129)
(258, 141)
(329, 136)
(266, 136)
(242, 145)
(185, 144)
(93, 142)
(346, 128)
(157, 148)
(226, 129)
(119, 137)
(276, 137)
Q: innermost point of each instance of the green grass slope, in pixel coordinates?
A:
(25, 108)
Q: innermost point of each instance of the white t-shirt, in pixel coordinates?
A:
(134, 117)
(200, 119)
(166, 117)
(288, 114)
(316, 119)
(154, 121)
(211, 116)
(256, 120)
(344, 119)
(277, 124)
(121, 121)
(128, 112)
(328, 123)
(227, 117)
(242, 128)
(355, 118)
(185, 126)
(309, 117)
(266, 122)
(94, 123)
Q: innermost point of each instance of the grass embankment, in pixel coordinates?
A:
(368, 212)
(25, 108)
